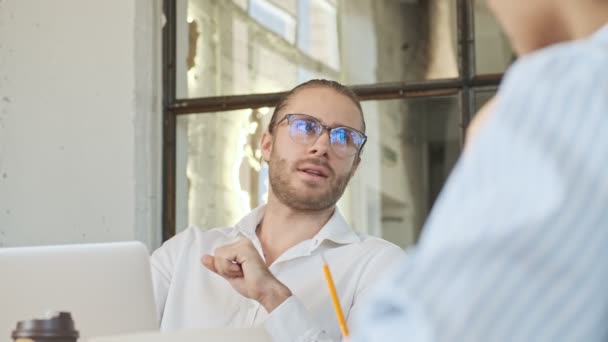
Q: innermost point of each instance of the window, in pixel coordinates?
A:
(274, 19)
(421, 68)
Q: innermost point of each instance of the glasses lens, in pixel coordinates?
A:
(306, 129)
(345, 141)
(303, 129)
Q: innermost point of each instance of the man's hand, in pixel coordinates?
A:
(242, 266)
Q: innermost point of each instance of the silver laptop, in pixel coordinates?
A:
(106, 287)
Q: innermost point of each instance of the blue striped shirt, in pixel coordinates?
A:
(516, 248)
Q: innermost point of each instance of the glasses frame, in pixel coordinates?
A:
(329, 129)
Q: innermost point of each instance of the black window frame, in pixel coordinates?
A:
(466, 84)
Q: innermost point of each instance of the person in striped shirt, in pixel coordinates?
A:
(515, 248)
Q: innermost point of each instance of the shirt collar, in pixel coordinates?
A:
(336, 229)
(248, 224)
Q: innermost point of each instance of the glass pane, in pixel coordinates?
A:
(241, 3)
(318, 31)
(417, 144)
(219, 174)
(229, 47)
(493, 52)
(413, 145)
(273, 18)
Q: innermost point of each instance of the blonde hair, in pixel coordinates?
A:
(321, 83)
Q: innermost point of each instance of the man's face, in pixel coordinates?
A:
(311, 176)
(529, 24)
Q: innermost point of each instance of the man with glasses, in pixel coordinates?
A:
(268, 267)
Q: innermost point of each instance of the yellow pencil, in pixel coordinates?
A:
(334, 297)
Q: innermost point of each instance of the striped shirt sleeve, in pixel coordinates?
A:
(515, 247)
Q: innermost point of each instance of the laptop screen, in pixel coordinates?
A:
(106, 287)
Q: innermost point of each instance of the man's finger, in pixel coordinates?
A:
(227, 268)
(209, 262)
(222, 266)
(232, 269)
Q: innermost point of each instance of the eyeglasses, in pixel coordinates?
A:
(305, 129)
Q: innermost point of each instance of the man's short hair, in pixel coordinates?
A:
(318, 83)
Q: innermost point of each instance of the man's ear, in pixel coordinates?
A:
(266, 145)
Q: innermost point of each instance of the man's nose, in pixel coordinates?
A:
(322, 145)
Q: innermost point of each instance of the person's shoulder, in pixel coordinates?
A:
(376, 255)
(196, 237)
(559, 63)
(373, 245)
(553, 83)
(194, 232)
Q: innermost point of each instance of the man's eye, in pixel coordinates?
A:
(309, 127)
(340, 136)
(305, 126)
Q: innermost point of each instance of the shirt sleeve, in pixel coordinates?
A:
(162, 264)
(291, 321)
(161, 279)
(510, 250)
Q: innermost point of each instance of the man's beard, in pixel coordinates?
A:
(281, 178)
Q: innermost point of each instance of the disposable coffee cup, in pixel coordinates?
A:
(59, 328)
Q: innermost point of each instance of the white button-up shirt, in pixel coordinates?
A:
(189, 296)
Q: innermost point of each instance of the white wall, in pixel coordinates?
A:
(79, 121)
